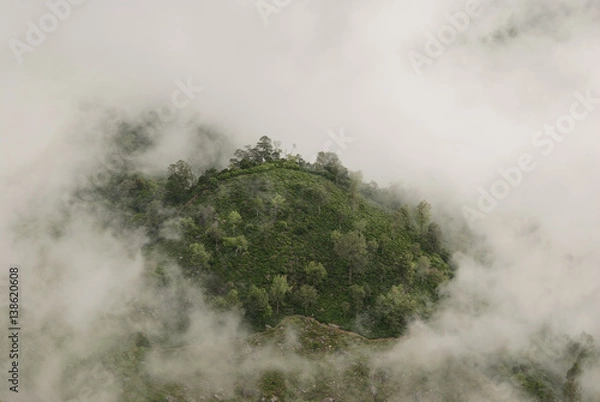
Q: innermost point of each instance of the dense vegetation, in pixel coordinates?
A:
(275, 235)
(301, 247)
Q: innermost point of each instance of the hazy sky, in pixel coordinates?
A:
(340, 76)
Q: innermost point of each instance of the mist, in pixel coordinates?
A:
(335, 76)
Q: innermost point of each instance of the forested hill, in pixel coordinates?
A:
(280, 240)
(274, 235)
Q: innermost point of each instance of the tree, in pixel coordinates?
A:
(423, 265)
(242, 159)
(361, 225)
(394, 308)
(232, 300)
(358, 295)
(356, 179)
(319, 195)
(265, 150)
(352, 248)
(206, 215)
(342, 216)
(432, 239)
(259, 204)
(372, 246)
(402, 221)
(205, 179)
(279, 288)
(307, 296)
(422, 215)
(257, 304)
(415, 250)
(227, 302)
(335, 235)
(189, 229)
(239, 243)
(572, 389)
(198, 258)
(404, 264)
(234, 218)
(272, 386)
(179, 182)
(315, 273)
(582, 350)
(327, 159)
(215, 233)
(277, 202)
(330, 162)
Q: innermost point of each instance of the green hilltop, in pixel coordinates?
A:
(274, 236)
(320, 265)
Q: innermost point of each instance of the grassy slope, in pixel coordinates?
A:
(321, 345)
(341, 366)
(278, 248)
(283, 242)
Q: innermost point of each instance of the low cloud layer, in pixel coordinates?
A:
(314, 68)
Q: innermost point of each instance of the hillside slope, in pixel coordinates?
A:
(298, 249)
(277, 239)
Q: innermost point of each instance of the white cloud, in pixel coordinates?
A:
(329, 64)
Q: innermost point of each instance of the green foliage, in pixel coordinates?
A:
(197, 259)
(161, 275)
(264, 151)
(432, 239)
(422, 215)
(352, 248)
(306, 296)
(132, 139)
(277, 202)
(238, 243)
(272, 385)
(179, 182)
(198, 256)
(394, 308)
(572, 389)
(279, 288)
(357, 295)
(319, 195)
(402, 222)
(406, 267)
(307, 227)
(268, 215)
(315, 273)
(216, 234)
(234, 219)
(582, 351)
(259, 205)
(227, 302)
(330, 162)
(257, 304)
